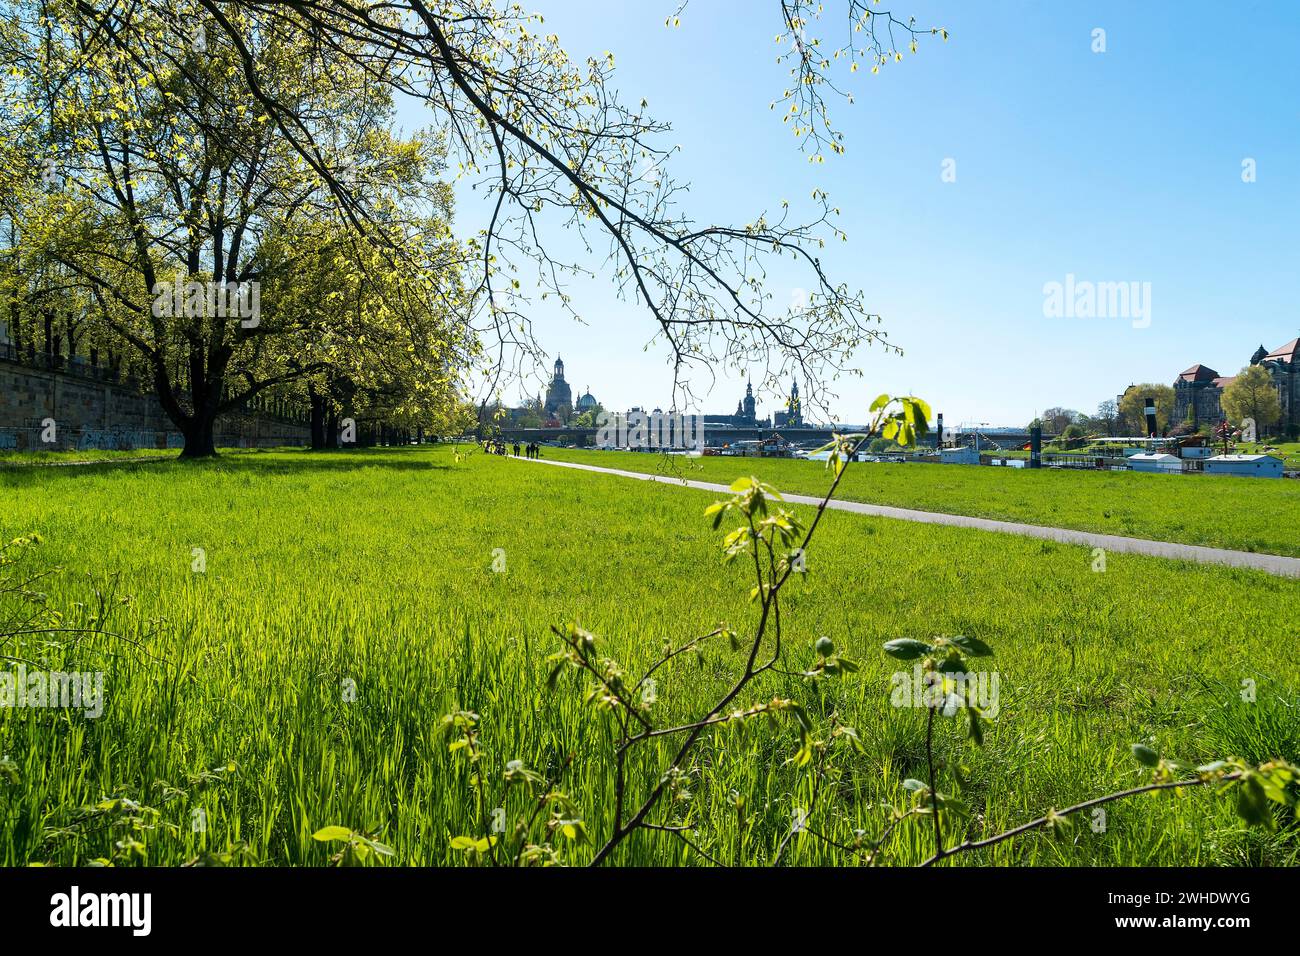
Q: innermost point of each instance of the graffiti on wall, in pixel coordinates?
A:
(116, 439)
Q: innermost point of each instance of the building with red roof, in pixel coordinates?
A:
(1198, 391)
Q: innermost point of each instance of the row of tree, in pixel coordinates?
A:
(210, 194)
(1111, 418)
(154, 216)
(532, 414)
(1250, 395)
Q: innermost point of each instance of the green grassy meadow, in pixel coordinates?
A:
(1289, 452)
(8, 457)
(22, 459)
(225, 690)
(1244, 514)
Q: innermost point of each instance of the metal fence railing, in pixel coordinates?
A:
(76, 367)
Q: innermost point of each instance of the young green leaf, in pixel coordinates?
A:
(972, 646)
(1145, 755)
(326, 834)
(906, 649)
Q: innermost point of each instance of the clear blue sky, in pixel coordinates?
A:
(1119, 166)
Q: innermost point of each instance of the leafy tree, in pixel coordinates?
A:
(590, 418)
(1252, 394)
(1073, 435)
(1132, 408)
(879, 446)
(1056, 420)
(192, 222)
(552, 145)
(527, 415)
(385, 349)
(46, 314)
(545, 137)
(1107, 418)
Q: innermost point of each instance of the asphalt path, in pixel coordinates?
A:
(1270, 563)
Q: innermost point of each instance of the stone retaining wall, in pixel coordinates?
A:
(59, 411)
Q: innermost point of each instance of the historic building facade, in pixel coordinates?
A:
(1196, 395)
(746, 414)
(792, 417)
(1198, 392)
(558, 405)
(1283, 364)
(559, 396)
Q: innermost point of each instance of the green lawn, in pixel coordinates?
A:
(8, 457)
(1244, 514)
(1287, 451)
(376, 568)
(98, 456)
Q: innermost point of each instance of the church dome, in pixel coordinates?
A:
(559, 394)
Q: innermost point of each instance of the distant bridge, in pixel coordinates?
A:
(1003, 439)
(715, 436)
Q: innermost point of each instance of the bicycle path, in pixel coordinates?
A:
(1277, 564)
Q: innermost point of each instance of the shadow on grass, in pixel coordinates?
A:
(279, 461)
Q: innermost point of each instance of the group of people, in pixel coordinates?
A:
(495, 446)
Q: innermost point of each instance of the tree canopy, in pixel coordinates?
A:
(1132, 406)
(144, 170)
(157, 145)
(1253, 395)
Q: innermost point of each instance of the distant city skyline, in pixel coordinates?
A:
(980, 175)
(558, 401)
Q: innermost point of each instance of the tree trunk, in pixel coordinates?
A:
(16, 326)
(199, 426)
(318, 424)
(200, 437)
(332, 430)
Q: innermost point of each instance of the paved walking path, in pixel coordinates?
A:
(1271, 563)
